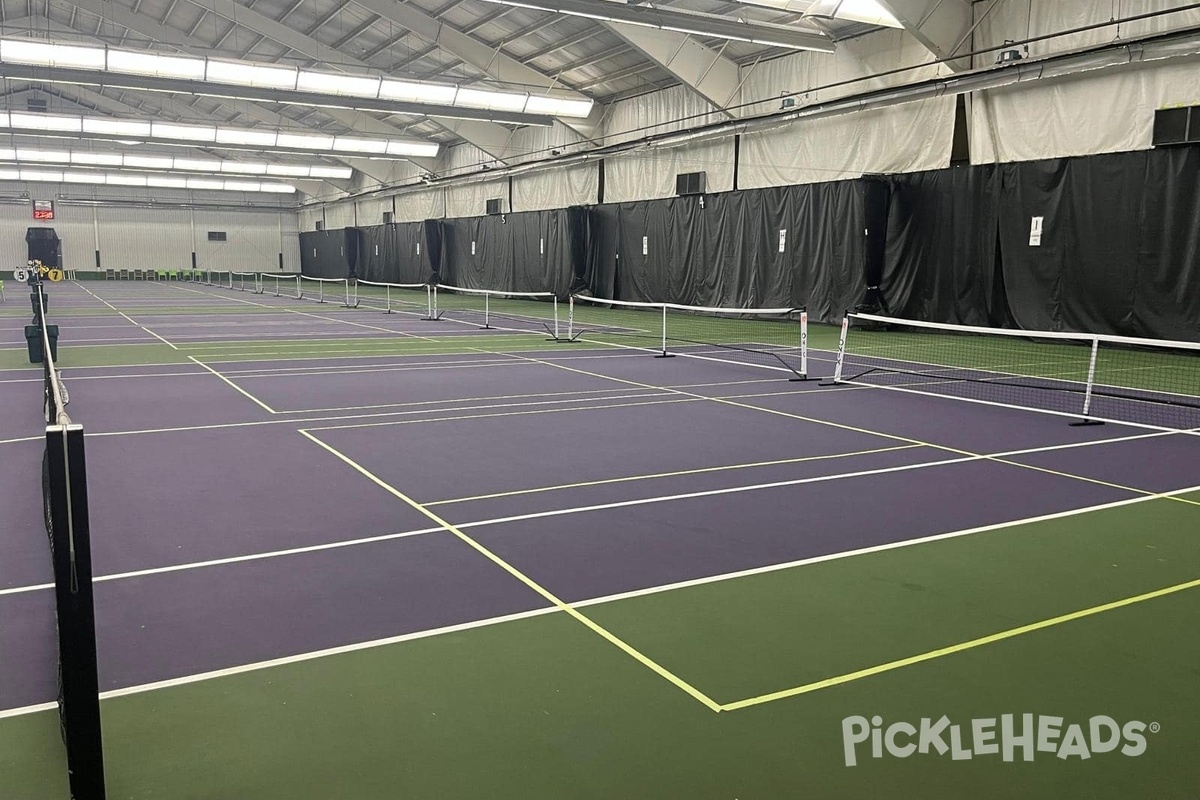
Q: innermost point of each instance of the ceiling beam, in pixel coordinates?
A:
(942, 26)
(706, 72)
(653, 15)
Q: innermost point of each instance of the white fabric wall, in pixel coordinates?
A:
(253, 244)
(370, 210)
(420, 205)
(309, 216)
(552, 188)
(1105, 111)
(650, 174)
(339, 215)
(906, 138)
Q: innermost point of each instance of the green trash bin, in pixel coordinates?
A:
(33, 338)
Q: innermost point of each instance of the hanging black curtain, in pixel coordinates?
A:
(578, 230)
(433, 248)
(43, 246)
(876, 194)
(353, 244)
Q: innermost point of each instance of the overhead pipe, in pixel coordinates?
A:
(1175, 44)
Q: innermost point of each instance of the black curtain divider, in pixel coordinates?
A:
(941, 260)
(391, 254)
(353, 243)
(321, 254)
(433, 233)
(1119, 249)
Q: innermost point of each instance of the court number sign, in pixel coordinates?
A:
(20, 275)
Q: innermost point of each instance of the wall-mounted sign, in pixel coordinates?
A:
(43, 209)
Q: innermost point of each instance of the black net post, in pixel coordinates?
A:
(65, 494)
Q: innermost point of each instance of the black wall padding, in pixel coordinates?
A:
(43, 245)
(390, 254)
(353, 238)
(579, 236)
(941, 257)
(1166, 302)
(876, 194)
(321, 254)
(1120, 249)
(1084, 275)
(433, 233)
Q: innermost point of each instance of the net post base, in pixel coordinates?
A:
(1087, 423)
(800, 379)
(665, 355)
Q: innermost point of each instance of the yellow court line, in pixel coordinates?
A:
(128, 318)
(895, 437)
(957, 648)
(675, 474)
(239, 389)
(549, 596)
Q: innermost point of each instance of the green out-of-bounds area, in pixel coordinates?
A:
(542, 707)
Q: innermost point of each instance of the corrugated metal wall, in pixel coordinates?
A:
(141, 238)
(152, 238)
(253, 240)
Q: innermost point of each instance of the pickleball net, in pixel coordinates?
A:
(1092, 377)
(65, 506)
(775, 338)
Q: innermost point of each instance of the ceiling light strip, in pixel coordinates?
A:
(216, 135)
(283, 78)
(88, 158)
(149, 181)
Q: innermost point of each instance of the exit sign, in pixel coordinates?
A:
(43, 209)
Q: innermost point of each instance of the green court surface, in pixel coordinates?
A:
(541, 707)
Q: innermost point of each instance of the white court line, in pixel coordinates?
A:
(237, 388)
(538, 612)
(129, 318)
(582, 509)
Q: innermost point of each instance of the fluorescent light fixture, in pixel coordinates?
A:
(356, 145)
(125, 179)
(867, 11)
(204, 183)
(197, 165)
(555, 106)
(344, 85)
(132, 62)
(194, 133)
(8, 154)
(128, 179)
(493, 101)
(407, 91)
(45, 122)
(242, 73)
(50, 54)
(273, 76)
(297, 171)
(115, 127)
(244, 167)
(330, 172)
(41, 176)
(251, 137)
(148, 162)
(44, 156)
(166, 183)
(304, 141)
(103, 159)
(418, 149)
